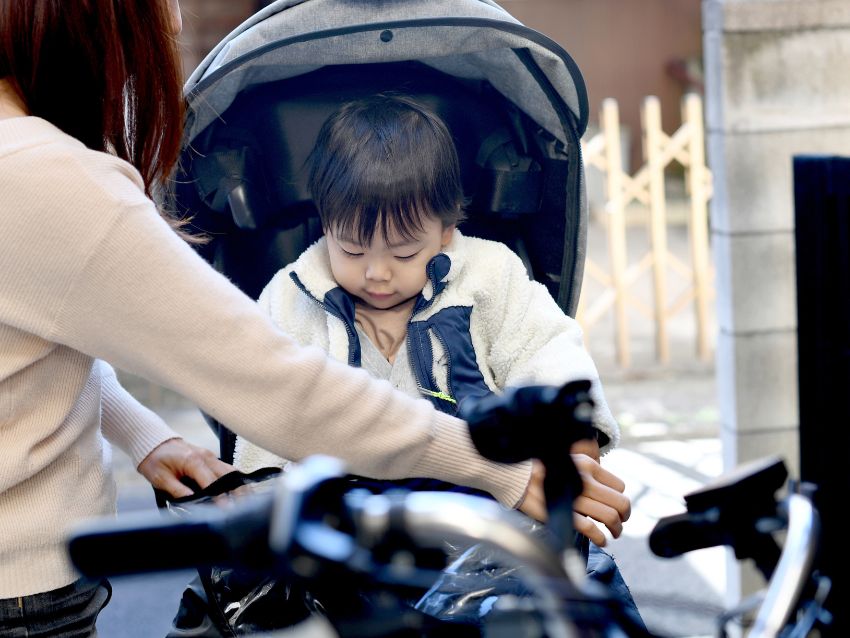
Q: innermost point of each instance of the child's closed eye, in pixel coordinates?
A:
(407, 257)
(350, 253)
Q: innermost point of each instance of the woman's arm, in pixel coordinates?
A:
(107, 277)
(126, 422)
(159, 453)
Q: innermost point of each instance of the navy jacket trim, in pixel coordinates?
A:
(338, 303)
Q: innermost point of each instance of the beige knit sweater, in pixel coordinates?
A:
(88, 272)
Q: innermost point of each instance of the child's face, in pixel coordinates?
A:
(389, 270)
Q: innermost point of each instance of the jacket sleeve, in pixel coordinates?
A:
(533, 341)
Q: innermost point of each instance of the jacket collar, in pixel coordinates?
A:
(313, 274)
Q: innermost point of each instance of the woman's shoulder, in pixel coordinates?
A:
(46, 162)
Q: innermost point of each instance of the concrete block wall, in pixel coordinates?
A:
(777, 85)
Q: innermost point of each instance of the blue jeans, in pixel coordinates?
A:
(602, 567)
(67, 612)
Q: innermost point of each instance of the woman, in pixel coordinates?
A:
(90, 124)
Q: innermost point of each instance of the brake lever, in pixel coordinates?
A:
(537, 422)
(738, 509)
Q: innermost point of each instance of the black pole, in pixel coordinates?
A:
(822, 212)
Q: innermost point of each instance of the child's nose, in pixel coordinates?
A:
(378, 270)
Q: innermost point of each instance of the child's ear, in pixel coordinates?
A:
(448, 231)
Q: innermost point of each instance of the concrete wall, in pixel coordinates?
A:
(777, 85)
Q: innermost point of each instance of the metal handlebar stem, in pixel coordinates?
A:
(793, 570)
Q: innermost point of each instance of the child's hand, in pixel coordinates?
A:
(590, 447)
(602, 501)
(174, 459)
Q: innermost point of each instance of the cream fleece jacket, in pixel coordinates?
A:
(88, 271)
(518, 332)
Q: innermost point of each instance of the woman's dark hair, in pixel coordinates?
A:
(386, 161)
(106, 72)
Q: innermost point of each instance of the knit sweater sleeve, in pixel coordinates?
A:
(112, 280)
(126, 422)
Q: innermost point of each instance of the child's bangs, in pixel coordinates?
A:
(388, 217)
(391, 207)
(385, 165)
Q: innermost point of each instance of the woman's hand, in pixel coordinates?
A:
(174, 459)
(602, 497)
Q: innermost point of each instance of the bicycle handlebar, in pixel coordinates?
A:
(150, 541)
(738, 509)
(314, 524)
(270, 530)
(272, 533)
(262, 528)
(793, 571)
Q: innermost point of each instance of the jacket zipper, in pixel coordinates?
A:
(448, 366)
(436, 393)
(333, 313)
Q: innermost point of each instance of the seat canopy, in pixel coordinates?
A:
(513, 99)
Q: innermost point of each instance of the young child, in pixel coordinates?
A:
(395, 288)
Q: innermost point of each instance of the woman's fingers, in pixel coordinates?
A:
(602, 500)
(608, 497)
(175, 459)
(600, 513)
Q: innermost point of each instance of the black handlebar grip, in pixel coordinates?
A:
(534, 421)
(143, 543)
(676, 535)
(151, 541)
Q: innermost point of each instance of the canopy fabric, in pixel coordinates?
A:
(470, 39)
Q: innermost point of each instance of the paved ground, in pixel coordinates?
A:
(667, 451)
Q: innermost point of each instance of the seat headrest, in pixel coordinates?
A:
(251, 163)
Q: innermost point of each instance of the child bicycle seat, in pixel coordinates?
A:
(245, 177)
(514, 101)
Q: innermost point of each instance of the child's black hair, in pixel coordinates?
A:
(387, 161)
